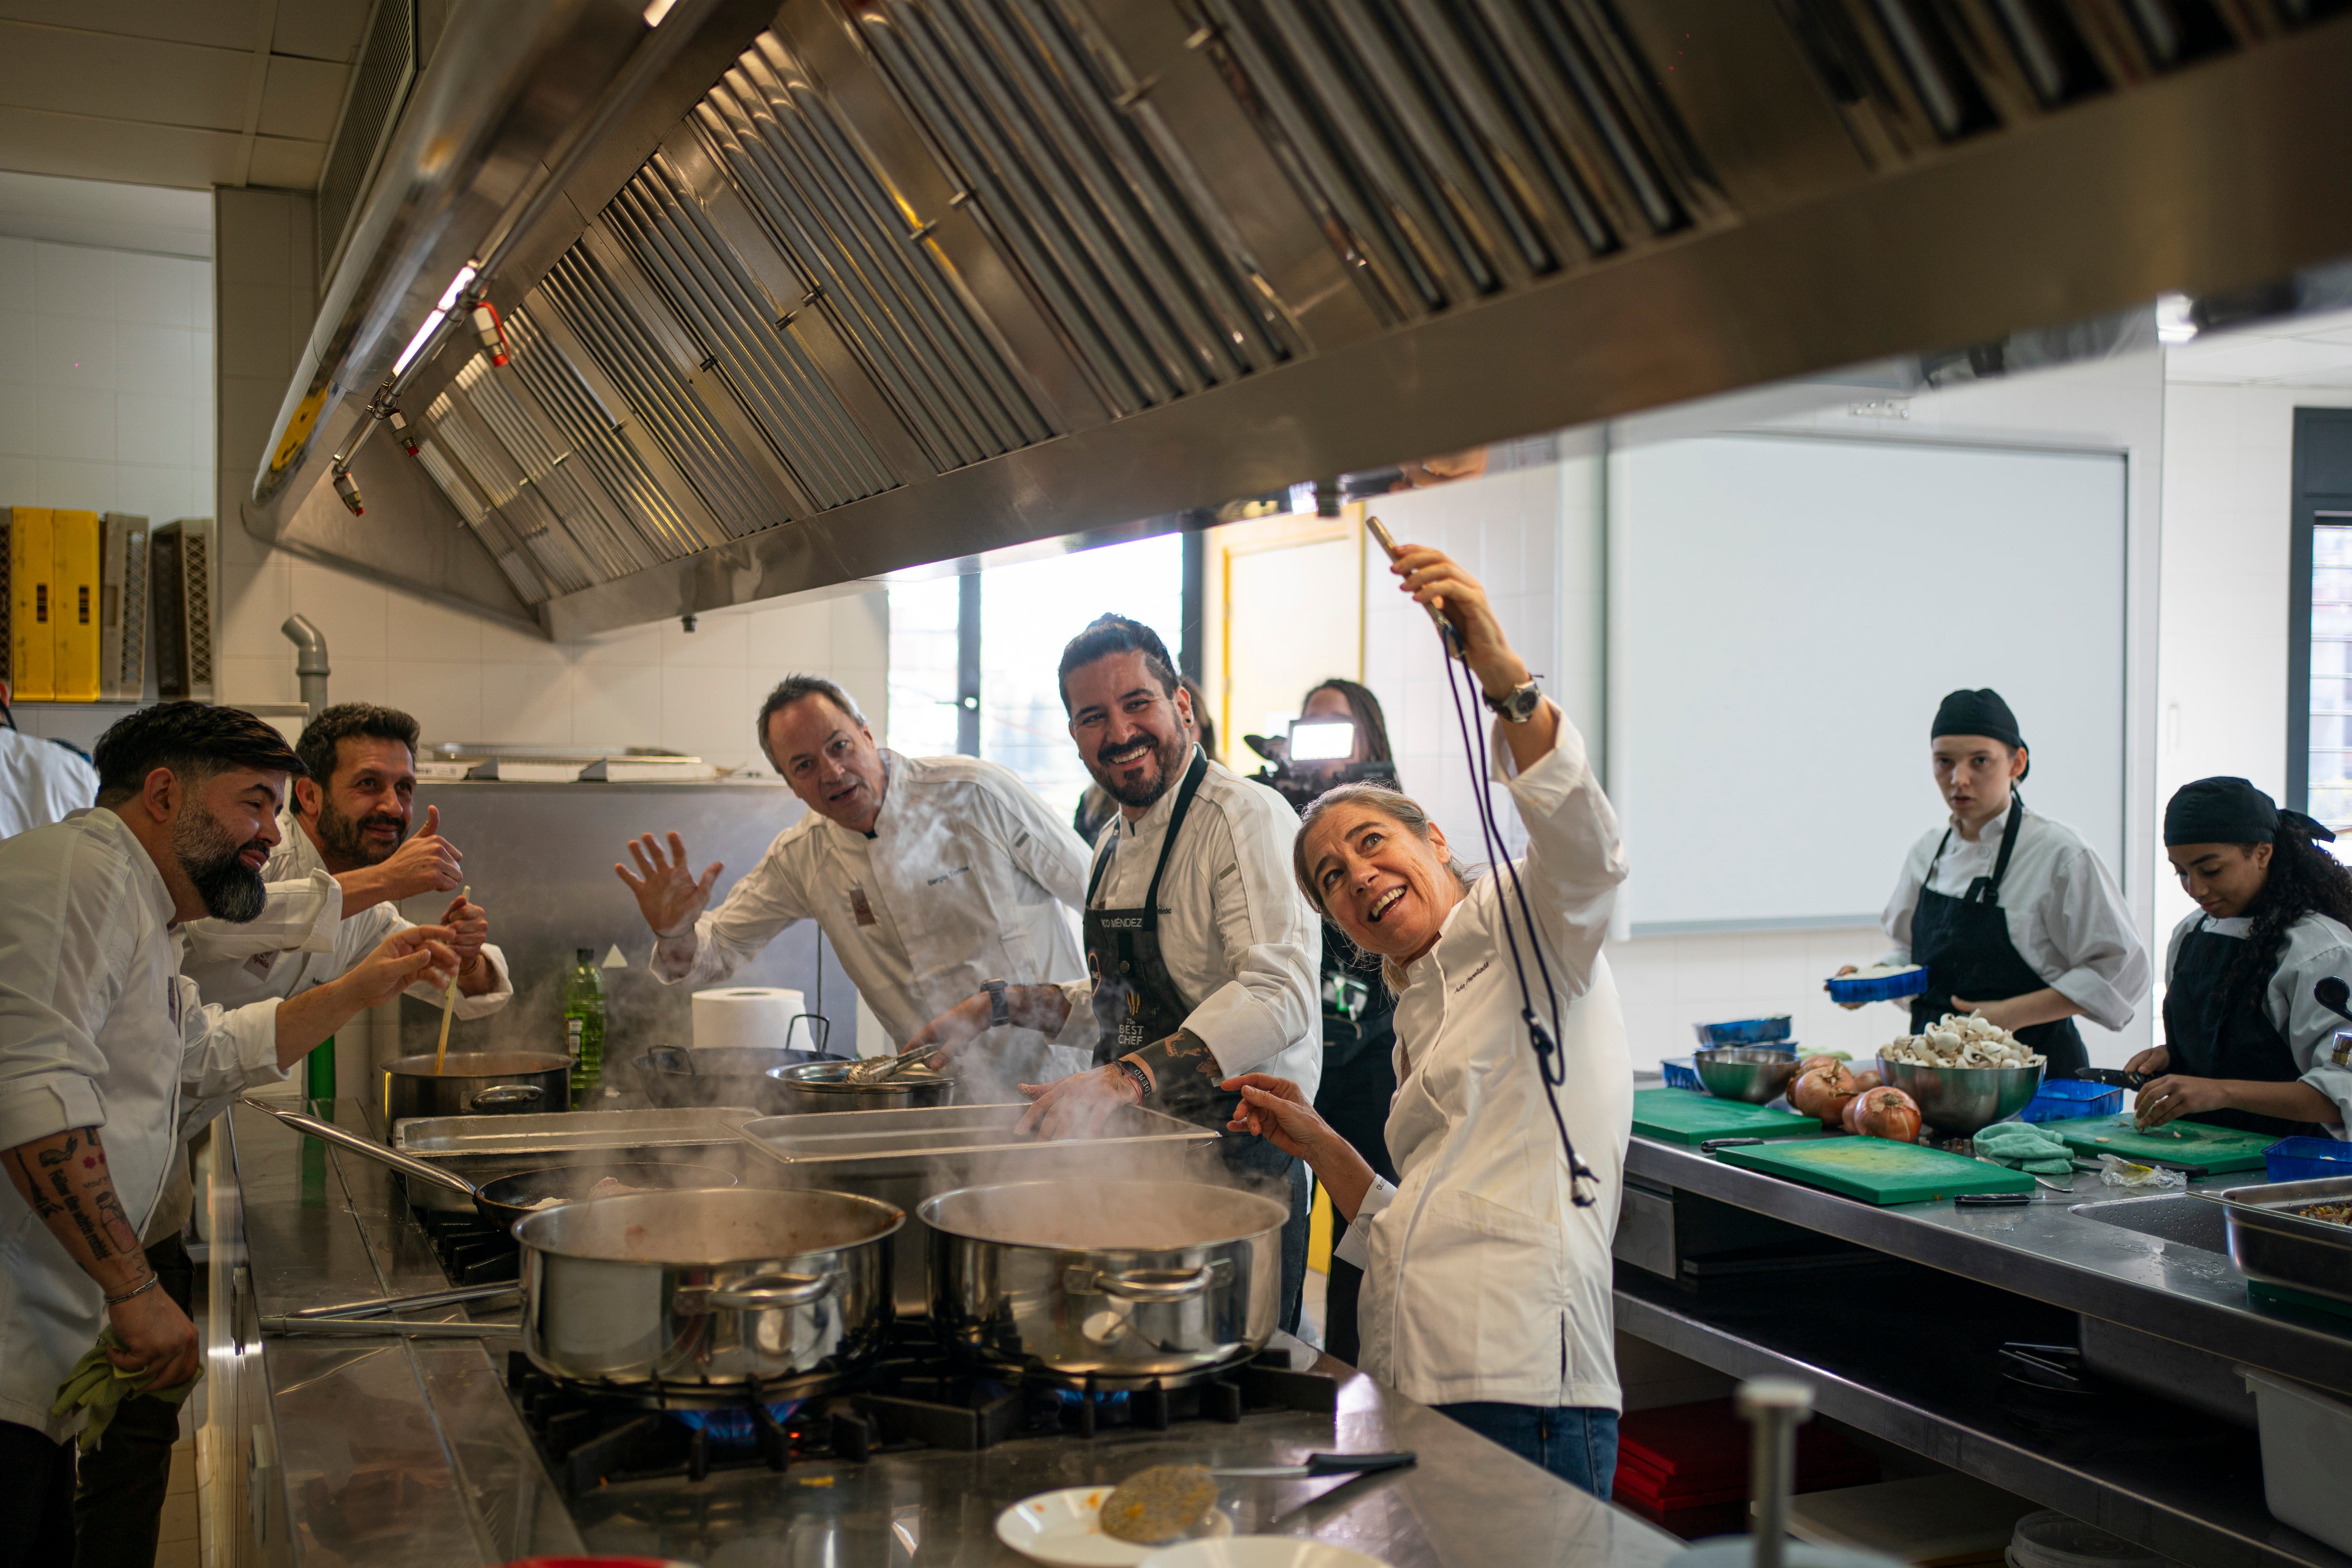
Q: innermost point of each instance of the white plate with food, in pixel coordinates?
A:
(1064, 1527)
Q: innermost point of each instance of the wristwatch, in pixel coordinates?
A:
(1517, 705)
(999, 1014)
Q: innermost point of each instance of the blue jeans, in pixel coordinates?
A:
(1577, 1443)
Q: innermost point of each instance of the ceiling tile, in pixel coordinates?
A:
(123, 78)
(286, 165)
(301, 98)
(223, 24)
(86, 149)
(322, 29)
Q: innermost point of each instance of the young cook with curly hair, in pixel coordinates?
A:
(2250, 1047)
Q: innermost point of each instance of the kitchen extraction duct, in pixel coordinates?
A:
(850, 287)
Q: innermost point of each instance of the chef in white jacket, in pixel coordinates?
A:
(1487, 1288)
(108, 1056)
(932, 877)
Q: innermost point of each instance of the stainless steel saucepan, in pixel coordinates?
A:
(709, 1297)
(476, 1083)
(815, 1087)
(1105, 1282)
(508, 1198)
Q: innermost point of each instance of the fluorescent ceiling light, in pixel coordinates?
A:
(2173, 321)
(432, 320)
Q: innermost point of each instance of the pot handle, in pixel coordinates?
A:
(767, 1292)
(369, 1148)
(497, 1096)
(1156, 1286)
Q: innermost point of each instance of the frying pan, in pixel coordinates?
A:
(508, 1198)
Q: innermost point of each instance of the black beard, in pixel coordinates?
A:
(1172, 766)
(229, 889)
(341, 837)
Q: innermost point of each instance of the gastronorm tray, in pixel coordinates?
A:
(905, 1156)
(2272, 1247)
(1846, 990)
(484, 1148)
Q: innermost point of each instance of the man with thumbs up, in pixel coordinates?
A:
(337, 875)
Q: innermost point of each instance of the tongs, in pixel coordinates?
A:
(881, 1069)
(364, 1317)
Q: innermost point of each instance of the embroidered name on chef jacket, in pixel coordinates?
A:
(1465, 984)
(859, 907)
(947, 877)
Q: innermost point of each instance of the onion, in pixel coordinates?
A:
(1888, 1113)
(1867, 1078)
(1819, 1091)
(1846, 1115)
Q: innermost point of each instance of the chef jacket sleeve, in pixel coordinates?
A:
(1044, 846)
(1576, 856)
(1356, 1246)
(1273, 944)
(224, 1051)
(62, 954)
(300, 916)
(2313, 952)
(2093, 932)
(764, 900)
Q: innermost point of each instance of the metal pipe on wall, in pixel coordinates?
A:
(309, 660)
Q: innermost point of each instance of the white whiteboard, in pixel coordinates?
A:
(1786, 614)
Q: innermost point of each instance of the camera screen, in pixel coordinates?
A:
(1322, 740)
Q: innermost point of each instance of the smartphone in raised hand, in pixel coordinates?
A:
(1387, 540)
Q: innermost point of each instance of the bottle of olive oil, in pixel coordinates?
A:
(584, 1025)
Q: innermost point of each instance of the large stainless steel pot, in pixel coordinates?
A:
(677, 1077)
(1112, 1284)
(815, 1087)
(707, 1297)
(476, 1083)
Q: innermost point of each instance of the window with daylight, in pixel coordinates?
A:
(2319, 622)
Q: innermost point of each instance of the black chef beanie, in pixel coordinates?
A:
(2229, 811)
(1978, 712)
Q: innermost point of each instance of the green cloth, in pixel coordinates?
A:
(99, 1387)
(2026, 1146)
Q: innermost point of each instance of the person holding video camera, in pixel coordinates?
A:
(1341, 737)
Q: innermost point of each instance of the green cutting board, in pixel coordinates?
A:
(1678, 1116)
(2218, 1149)
(1878, 1170)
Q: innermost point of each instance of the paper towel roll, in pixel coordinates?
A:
(750, 1015)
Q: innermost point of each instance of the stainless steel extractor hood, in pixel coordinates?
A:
(792, 298)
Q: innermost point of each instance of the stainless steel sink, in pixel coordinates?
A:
(2191, 1222)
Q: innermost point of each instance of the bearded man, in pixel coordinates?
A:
(343, 860)
(108, 1059)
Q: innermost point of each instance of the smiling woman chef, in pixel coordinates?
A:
(2248, 1044)
(1487, 1288)
(2013, 915)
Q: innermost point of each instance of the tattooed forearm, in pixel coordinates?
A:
(1185, 1073)
(65, 1180)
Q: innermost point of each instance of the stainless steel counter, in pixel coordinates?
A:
(389, 1454)
(1903, 1341)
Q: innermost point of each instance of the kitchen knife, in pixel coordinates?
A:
(2112, 1077)
(1320, 1465)
(1712, 1145)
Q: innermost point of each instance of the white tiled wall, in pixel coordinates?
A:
(2222, 696)
(464, 678)
(106, 393)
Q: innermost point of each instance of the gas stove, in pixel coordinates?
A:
(472, 1250)
(913, 1396)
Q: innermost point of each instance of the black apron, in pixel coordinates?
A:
(1358, 1087)
(1136, 1000)
(2242, 1044)
(1964, 944)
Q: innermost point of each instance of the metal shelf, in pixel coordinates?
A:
(1909, 1354)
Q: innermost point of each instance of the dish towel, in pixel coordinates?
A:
(99, 1387)
(2027, 1147)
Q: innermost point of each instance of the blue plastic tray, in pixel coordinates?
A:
(2065, 1099)
(2307, 1159)
(1883, 988)
(1682, 1073)
(1771, 1031)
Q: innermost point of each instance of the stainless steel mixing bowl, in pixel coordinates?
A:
(1962, 1100)
(1746, 1072)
